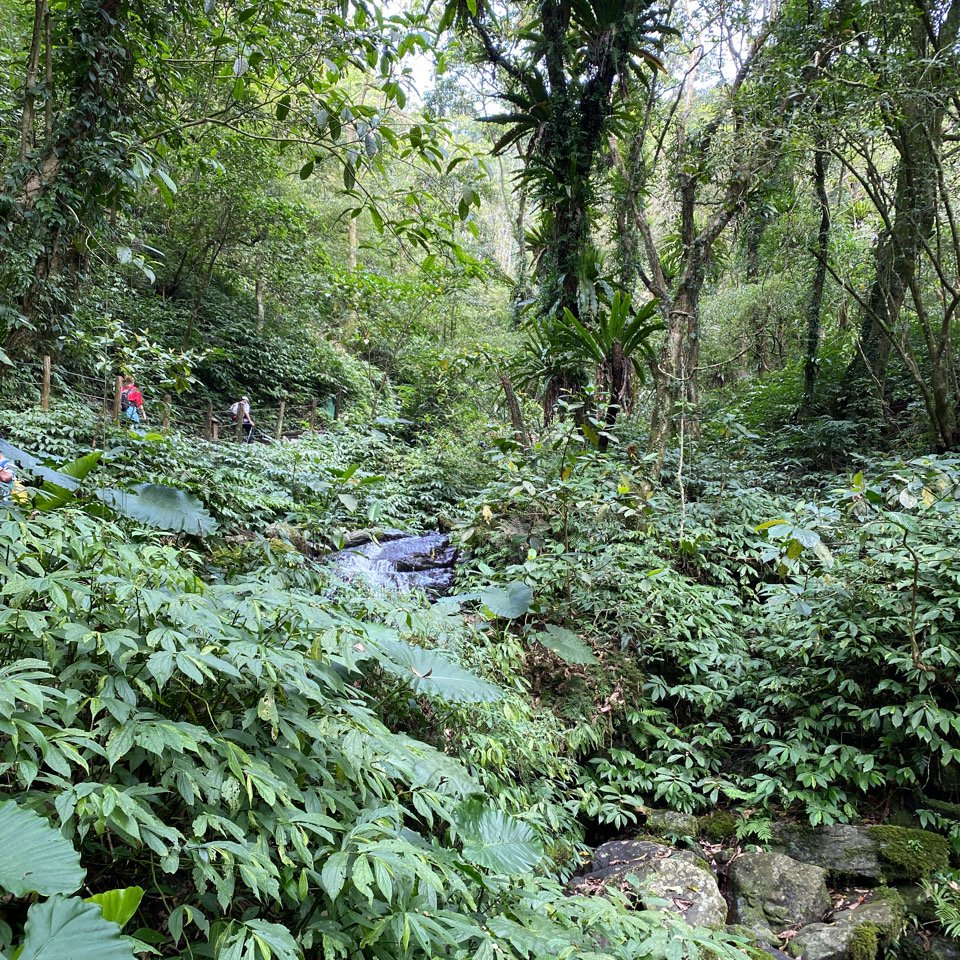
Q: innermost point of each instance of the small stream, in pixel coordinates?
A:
(400, 563)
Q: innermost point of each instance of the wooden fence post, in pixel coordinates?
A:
(117, 391)
(283, 406)
(337, 402)
(166, 412)
(210, 420)
(313, 415)
(45, 388)
(215, 430)
(240, 422)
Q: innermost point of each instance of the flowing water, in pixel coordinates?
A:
(401, 563)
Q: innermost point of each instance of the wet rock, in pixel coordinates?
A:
(839, 848)
(669, 823)
(357, 538)
(680, 879)
(771, 892)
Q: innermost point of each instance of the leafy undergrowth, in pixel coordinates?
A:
(756, 648)
(271, 759)
(288, 766)
(348, 476)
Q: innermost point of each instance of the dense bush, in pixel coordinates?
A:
(786, 655)
(219, 744)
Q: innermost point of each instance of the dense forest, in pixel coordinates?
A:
(480, 480)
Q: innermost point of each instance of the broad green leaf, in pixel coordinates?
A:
(55, 493)
(431, 673)
(66, 927)
(61, 476)
(497, 841)
(36, 858)
(119, 905)
(333, 874)
(566, 645)
(509, 602)
(158, 505)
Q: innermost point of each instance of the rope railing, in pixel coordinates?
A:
(210, 421)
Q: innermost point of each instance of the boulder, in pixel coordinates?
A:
(823, 941)
(288, 533)
(683, 887)
(669, 823)
(931, 948)
(620, 857)
(940, 948)
(883, 910)
(909, 854)
(668, 879)
(839, 848)
(857, 933)
(357, 538)
(718, 826)
(874, 853)
(771, 892)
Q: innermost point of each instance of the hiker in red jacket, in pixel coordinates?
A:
(131, 400)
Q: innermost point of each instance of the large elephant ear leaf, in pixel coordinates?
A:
(509, 602)
(431, 673)
(37, 858)
(60, 485)
(158, 505)
(118, 906)
(566, 645)
(496, 840)
(64, 927)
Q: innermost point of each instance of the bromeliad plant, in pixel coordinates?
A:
(610, 352)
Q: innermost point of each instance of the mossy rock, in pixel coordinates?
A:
(865, 942)
(718, 826)
(770, 892)
(909, 853)
(670, 823)
(855, 934)
(843, 849)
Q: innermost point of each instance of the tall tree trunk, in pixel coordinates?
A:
(820, 162)
(30, 79)
(516, 417)
(351, 244)
(521, 286)
(914, 123)
(47, 75)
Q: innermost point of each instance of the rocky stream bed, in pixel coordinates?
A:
(822, 893)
